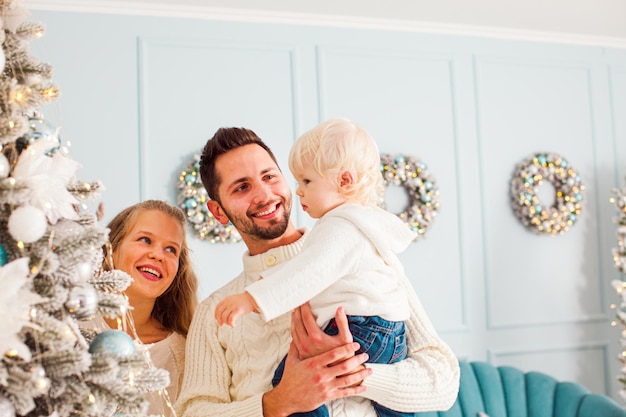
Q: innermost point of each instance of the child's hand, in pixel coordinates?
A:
(233, 307)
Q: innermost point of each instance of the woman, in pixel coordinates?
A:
(148, 242)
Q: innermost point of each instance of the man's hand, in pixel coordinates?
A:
(308, 383)
(233, 307)
(309, 339)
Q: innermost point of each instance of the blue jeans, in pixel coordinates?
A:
(384, 341)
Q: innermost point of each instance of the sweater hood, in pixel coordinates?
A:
(385, 230)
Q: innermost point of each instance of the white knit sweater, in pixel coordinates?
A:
(348, 259)
(227, 370)
(168, 354)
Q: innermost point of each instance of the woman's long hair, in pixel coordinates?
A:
(175, 307)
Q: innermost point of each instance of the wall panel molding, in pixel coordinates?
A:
(276, 61)
(532, 73)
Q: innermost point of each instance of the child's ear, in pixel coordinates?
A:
(217, 212)
(346, 180)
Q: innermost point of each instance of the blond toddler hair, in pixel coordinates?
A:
(336, 146)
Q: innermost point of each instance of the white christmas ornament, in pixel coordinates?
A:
(5, 166)
(47, 178)
(84, 270)
(6, 408)
(15, 304)
(28, 224)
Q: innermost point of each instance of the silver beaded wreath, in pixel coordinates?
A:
(192, 198)
(540, 218)
(413, 175)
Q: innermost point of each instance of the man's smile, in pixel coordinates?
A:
(269, 211)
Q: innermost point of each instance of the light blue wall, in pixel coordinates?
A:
(141, 95)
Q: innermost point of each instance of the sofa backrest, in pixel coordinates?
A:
(489, 391)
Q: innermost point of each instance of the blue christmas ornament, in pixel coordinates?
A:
(542, 159)
(399, 159)
(190, 178)
(4, 257)
(191, 203)
(113, 341)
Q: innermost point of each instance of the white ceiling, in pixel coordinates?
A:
(601, 22)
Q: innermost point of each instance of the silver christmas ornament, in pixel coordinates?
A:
(82, 302)
(40, 129)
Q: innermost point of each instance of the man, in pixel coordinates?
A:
(228, 370)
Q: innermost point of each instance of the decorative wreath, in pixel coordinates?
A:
(192, 198)
(558, 217)
(412, 174)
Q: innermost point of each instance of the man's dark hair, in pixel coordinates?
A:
(224, 140)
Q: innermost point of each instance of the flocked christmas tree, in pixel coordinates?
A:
(50, 261)
(619, 256)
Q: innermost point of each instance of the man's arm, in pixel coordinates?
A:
(205, 390)
(306, 384)
(427, 380)
(309, 383)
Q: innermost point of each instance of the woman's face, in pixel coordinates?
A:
(150, 253)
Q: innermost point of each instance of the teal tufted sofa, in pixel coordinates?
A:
(504, 391)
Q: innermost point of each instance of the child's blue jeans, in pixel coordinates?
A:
(384, 341)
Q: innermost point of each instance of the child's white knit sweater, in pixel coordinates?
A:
(347, 260)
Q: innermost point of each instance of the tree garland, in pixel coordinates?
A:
(558, 217)
(192, 198)
(619, 256)
(413, 175)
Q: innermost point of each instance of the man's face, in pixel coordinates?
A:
(253, 193)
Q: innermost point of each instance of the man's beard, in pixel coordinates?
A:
(276, 229)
